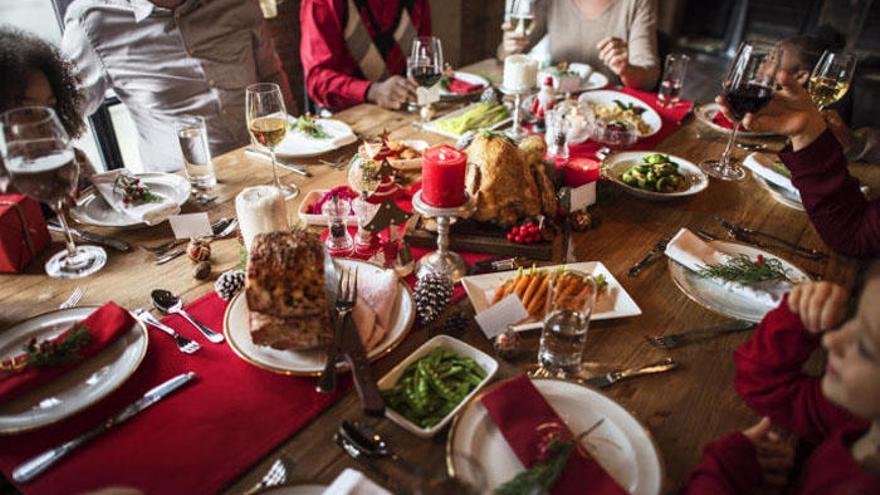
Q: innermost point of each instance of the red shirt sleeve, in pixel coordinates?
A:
(770, 379)
(729, 466)
(847, 222)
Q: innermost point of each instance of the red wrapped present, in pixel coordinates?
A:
(23, 232)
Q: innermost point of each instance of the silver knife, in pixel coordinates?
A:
(87, 236)
(261, 154)
(34, 467)
(613, 377)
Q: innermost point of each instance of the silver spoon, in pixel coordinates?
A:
(168, 303)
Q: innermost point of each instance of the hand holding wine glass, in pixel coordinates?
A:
(267, 123)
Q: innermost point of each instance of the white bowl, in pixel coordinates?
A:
(444, 342)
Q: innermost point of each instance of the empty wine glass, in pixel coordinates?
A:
(42, 164)
(425, 63)
(747, 88)
(831, 78)
(267, 123)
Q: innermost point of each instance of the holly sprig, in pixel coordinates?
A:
(133, 191)
(742, 269)
(49, 353)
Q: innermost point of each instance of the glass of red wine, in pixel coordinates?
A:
(42, 164)
(425, 63)
(747, 88)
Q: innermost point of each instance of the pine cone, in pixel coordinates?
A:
(229, 284)
(433, 294)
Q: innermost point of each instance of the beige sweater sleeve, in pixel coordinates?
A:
(642, 41)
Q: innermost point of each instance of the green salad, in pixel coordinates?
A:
(431, 387)
(656, 173)
(308, 125)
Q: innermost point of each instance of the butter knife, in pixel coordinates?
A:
(613, 377)
(83, 235)
(34, 467)
(293, 168)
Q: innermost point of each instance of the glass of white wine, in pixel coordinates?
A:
(520, 16)
(42, 164)
(267, 124)
(831, 78)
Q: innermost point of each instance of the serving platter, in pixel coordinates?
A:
(432, 125)
(92, 209)
(618, 163)
(621, 444)
(298, 145)
(607, 96)
(237, 331)
(705, 113)
(80, 387)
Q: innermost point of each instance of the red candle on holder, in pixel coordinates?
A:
(580, 171)
(443, 171)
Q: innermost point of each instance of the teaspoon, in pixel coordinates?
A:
(168, 303)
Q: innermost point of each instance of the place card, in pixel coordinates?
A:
(426, 96)
(504, 313)
(583, 196)
(190, 225)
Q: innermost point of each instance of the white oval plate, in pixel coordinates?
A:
(590, 79)
(237, 330)
(714, 297)
(80, 387)
(298, 145)
(469, 78)
(92, 209)
(607, 97)
(621, 444)
(706, 112)
(618, 163)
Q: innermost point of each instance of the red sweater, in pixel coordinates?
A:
(329, 67)
(847, 222)
(770, 380)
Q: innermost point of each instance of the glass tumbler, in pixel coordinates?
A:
(673, 79)
(197, 164)
(570, 301)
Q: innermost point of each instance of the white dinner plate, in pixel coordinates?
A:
(621, 444)
(706, 112)
(618, 163)
(237, 331)
(607, 97)
(590, 79)
(295, 490)
(92, 209)
(469, 78)
(714, 297)
(615, 303)
(298, 145)
(432, 125)
(80, 387)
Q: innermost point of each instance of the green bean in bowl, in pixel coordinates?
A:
(657, 173)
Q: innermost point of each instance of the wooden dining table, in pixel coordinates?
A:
(682, 410)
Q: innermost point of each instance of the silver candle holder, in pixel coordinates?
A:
(516, 132)
(443, 260)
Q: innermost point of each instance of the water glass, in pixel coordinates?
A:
(673, 79)
(570, 301)
(556, 136)
(197, 164)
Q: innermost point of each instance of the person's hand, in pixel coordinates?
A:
(775, 457)
(392, 92)
(512, 41)
(790, 113)
(840, 130)
(614, 53)
(821, 305)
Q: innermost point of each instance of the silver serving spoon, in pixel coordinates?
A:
(168, 303)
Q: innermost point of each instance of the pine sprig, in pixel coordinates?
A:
(744, 270)
(540, 478)
(46, 353)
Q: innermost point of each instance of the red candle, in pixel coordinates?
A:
(443, 170)
(580, 171)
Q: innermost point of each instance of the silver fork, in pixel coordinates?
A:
(276, 475)
(346, 295)
(675, 340)
(338, 164)
(73, 299)
(184, 345)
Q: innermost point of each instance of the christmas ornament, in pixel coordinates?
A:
(202, 271)
(198, 250)
(229, 284)
(581, 221)
(433, 294)
(507, 345)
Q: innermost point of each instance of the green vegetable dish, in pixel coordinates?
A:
(479, 116)
(433, 386)
(656, 173)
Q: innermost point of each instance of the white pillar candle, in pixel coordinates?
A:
(520, 73)
(260, 209)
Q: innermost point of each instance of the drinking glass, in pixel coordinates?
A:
(831, 78)
(519, 16)
(747, 88)
(570, 301)
(267, 123)
(197, 164)
(425, 63)
(42, 164)
(673, 79)
(556, 135)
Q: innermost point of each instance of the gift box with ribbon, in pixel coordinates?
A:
(23, 232)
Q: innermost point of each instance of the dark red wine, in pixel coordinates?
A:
(426, 75)
(747, 98)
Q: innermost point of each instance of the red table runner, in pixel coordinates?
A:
(195, 441)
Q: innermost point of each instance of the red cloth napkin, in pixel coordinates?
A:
(105, 324)
(462, 87)
(196, 440)
(720, 119)
(523, 415)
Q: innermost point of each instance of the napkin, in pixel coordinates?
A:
(761, 165)
(690, 251)
(461, 87)
(152, 213)
(372, 311)
(523, 415)
(105, 324)
(353, 482)
(720, 119)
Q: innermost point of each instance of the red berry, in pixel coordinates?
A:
(510, 236)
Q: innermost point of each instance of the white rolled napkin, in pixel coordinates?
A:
(694, 254)
(151, 213)
(353, 482)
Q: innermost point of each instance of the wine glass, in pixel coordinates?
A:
(747, 88)
(42, 164)
(425, 64)
(519, 17)
(267, 123)
(831, 78)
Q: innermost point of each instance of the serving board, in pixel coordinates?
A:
(478, 237)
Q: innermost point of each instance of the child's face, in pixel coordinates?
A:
(852, 377)
(38, 92)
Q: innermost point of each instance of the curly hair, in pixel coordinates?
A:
(20, 55)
